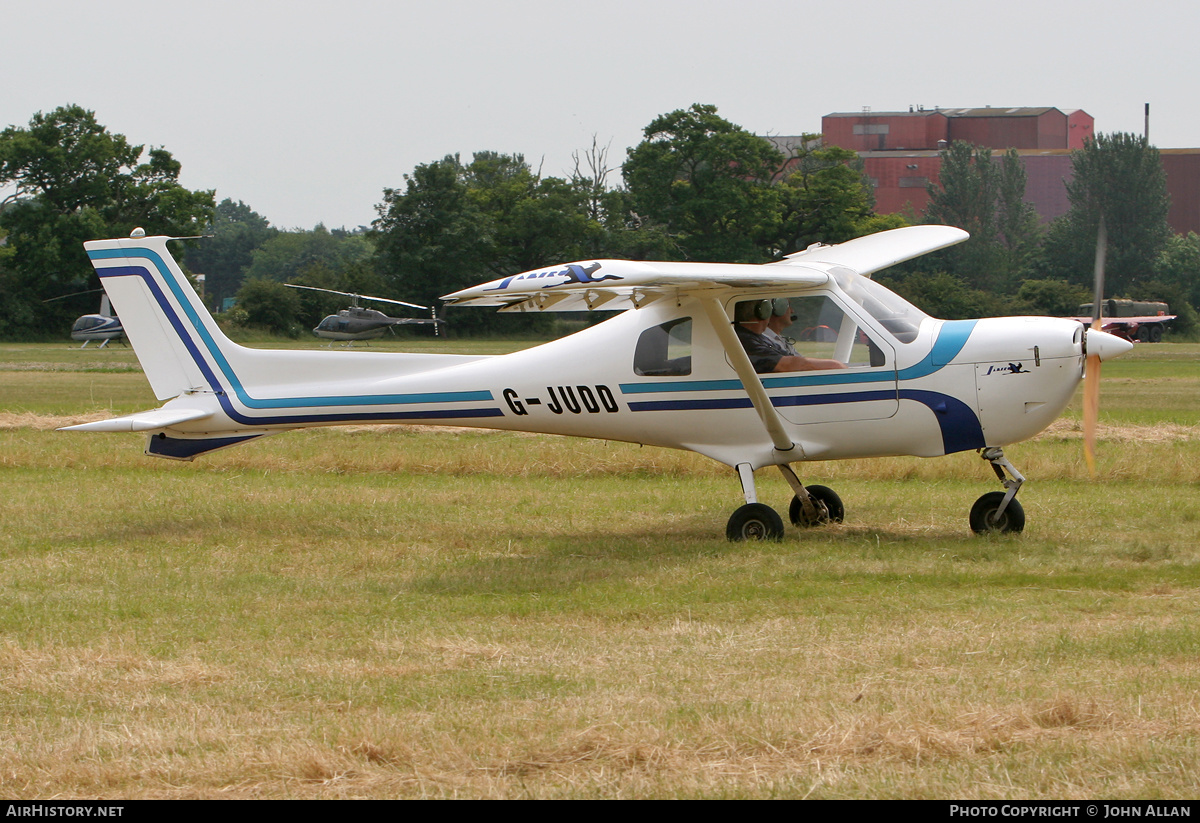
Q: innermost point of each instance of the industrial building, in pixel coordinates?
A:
(900, 152)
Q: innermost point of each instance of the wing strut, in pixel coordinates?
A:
(751, 382)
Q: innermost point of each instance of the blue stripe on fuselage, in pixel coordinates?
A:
(960, 426)
(952, 336)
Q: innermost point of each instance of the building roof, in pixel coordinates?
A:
(987, 111)
(910, 113)
(990, 111)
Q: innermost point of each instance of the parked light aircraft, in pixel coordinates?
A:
(667, 371)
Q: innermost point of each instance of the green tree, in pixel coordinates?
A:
(1120, 176)
(709, 183)
(455, 225)
(965, 196)
(1179, 266)
(985, 197)
(945, 295)
(72, 180)
(285, 255)
(532, 221)
(614, 229)
(267, 305)
(1055, 298)
(825, 199)
(1016, 219)
(432, 237)
(237, 230)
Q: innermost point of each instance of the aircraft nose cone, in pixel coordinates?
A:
(1106, 346)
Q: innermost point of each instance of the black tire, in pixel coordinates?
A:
(1145, 334)
(755, 521)
(834, 510)
(1156, 332)
(983, 515)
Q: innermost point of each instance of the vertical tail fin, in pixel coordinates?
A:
(163, 316)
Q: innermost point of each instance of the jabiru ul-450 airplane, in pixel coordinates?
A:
(669, 369)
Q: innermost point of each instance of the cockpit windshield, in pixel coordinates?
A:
(899, 317)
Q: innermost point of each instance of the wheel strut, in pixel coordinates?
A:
(753, 521)
(807, 504)
(1010, 478)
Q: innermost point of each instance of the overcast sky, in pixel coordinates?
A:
(307, 111)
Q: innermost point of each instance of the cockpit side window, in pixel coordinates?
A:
(820, 330)
(665, 350)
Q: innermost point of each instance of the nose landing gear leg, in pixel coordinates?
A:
(999, 512)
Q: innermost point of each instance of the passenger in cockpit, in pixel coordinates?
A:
(751, 322)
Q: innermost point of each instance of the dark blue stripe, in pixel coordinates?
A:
(218, 386)
(679, 405)
(958, 423)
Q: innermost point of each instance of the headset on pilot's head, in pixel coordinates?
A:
(750, 311)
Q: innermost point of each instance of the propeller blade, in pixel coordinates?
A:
(1098, 273)
(1091, 377)
(1091, 410)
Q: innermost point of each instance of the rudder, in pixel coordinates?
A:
(161, 313)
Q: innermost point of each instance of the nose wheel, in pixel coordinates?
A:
(988, 518)
(999, 512)
(828, 505)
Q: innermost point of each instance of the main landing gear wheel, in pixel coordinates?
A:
(755, 521)
(985, 521)
(829, 507)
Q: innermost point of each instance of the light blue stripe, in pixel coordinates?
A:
(280, 403)
(952, 336)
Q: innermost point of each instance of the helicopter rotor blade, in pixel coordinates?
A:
(356, 297)
(72, 294)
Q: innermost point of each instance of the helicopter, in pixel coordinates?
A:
(104, 326)
(667, 370)
(358, 323)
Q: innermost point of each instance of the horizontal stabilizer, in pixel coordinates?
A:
(142, 421)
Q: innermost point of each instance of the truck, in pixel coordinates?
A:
(1138, 320)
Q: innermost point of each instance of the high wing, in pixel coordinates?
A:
(621, 284)
(627, 284)
(867, 255)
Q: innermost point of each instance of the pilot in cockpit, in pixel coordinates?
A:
(766, 347)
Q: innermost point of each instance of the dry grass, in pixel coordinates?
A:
(396, 612)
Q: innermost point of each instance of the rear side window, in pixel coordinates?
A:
(665, 350)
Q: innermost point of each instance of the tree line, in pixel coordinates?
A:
(697, 187)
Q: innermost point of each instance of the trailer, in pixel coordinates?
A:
(1137, 320)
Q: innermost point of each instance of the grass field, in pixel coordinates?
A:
(390, 612)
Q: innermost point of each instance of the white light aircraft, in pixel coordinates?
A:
(667, 371)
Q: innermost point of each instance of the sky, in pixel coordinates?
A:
(307, 111)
